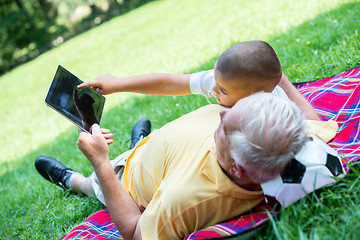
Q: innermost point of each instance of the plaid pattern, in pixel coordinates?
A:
(336, 98)
(238, 225)
(98, 226)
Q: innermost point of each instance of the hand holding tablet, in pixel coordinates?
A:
(83, 106)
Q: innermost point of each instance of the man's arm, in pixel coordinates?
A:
(154, 84)
(297, 98)
(123, 210)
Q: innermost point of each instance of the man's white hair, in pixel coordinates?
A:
(268, 136)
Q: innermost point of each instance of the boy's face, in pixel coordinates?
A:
(228, 92)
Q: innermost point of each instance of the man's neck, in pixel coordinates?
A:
(243, 182)
(251, 186)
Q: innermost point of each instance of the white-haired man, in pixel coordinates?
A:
(193, 172)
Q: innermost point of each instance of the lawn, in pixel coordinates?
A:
(313, 39)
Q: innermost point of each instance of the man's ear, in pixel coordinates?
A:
(236, 170)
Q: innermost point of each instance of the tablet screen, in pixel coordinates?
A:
(81, 106)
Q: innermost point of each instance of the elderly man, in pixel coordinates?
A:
(193, 172)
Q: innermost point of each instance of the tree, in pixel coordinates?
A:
(26, 14)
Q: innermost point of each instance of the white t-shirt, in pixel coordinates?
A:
(202, 83)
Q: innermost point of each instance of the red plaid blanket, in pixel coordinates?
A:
(336, 98)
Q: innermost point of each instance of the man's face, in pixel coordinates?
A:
(229, 118)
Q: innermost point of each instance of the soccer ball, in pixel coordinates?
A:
(313, 167)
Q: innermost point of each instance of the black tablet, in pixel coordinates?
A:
(83, 107)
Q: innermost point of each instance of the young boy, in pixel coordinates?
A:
(240, 71)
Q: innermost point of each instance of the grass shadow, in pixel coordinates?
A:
(327, 44)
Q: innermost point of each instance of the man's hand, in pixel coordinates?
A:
(104, 84)
(95, 146)
(122, 208)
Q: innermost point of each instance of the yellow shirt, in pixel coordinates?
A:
(175, 176)
(325, 130)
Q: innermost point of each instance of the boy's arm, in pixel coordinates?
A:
(154, 84)
(123, 210)
(298, 99)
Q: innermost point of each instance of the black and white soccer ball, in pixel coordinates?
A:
(315, 166)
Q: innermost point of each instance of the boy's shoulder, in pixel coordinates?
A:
(202, 82)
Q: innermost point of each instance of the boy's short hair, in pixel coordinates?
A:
(252, 61)
(268, 137)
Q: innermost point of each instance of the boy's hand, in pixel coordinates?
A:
(95, 146)
(106, 133)
(154, 84)
(104, 84)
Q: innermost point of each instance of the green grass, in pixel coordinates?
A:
(314, 39)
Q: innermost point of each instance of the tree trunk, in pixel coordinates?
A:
(27, 16)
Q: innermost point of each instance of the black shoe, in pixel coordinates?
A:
(141, 129)
(53, 170)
